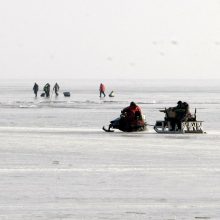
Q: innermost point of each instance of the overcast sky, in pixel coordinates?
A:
(110, 39)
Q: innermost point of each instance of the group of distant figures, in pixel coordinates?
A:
(46, 90)
(56, 89)
(102, 91)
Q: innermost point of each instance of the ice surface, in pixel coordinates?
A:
(57, 163)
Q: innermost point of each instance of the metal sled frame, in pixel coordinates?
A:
(164, 127)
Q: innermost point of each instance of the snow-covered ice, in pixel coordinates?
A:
(57, 163)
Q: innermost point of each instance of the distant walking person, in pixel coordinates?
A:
(47, 90)
(102, 90)
(35, 88)
(56, 88)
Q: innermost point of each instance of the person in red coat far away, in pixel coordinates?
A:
(102, 90)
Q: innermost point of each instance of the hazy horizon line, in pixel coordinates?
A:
(102, 79)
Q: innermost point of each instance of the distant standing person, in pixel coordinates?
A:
(47, 90)
(35, 88)
(56, 88)
(102, 90)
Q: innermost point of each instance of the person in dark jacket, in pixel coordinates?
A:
(56, 88)
(47, 90)
(35, 88)
(182, 114)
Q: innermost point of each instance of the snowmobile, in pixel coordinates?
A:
(122, 124)
(172, 125)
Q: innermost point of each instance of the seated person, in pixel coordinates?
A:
(188, 116)
(130, 119)
(131, 115)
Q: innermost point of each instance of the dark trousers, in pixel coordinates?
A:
(35, 92)
(47, 94)
(101, 94)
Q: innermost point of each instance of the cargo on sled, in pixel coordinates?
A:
(179, 120)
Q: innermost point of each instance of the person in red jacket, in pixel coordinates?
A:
(102, 90)
(132, 112)
(132, 117)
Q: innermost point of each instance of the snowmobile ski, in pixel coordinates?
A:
(106, 130)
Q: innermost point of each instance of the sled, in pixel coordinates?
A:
(192, 127)
(66, 94)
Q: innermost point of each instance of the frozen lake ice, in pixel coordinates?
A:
(57, 163)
